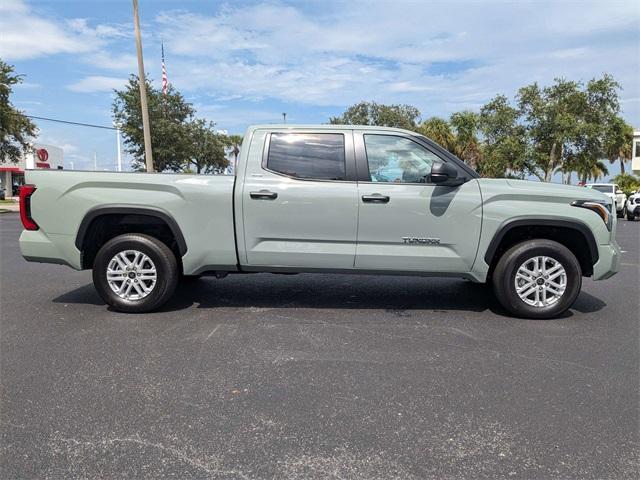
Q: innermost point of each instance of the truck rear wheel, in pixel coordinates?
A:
(135, 273)
(537, 279)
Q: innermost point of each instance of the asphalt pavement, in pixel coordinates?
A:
(315, 376)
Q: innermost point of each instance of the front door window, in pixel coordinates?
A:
(395, 159)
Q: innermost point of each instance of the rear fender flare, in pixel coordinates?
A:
(96, 212)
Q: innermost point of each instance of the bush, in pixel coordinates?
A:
(628, 183)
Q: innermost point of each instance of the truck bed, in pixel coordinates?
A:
(200, 204)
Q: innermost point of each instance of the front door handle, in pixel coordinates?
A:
(264, 195)
(375, 198)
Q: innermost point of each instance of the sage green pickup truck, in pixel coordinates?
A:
(325, 199)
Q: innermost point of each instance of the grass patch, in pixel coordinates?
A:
(6, 201)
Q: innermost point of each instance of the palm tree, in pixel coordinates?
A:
(619, 141)
(234, 142)
(466, 126)
(438, 130)
(591, 168)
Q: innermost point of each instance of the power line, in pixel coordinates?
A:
(71, 123)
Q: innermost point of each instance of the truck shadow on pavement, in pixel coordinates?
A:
(393, 294)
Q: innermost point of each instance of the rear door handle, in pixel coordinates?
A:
(375, 198)
(264, 195)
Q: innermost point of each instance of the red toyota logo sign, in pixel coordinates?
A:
(43, 155)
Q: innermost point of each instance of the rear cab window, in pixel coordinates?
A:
(315, 156)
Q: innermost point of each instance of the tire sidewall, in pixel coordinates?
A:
(164, 269)
(516, 256)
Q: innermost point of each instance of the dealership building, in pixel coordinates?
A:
(39, 156)
(635, 159)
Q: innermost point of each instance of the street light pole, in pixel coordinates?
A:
(118, 125)
(148, 155)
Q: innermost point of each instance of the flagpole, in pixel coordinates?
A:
(165, 81)
(148, 155)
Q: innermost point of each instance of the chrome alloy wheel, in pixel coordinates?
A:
(131, 275)
(541, 281)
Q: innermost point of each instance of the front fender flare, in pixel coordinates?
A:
(525, 221)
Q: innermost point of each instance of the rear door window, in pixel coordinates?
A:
(318, 156)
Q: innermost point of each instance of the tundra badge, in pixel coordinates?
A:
(422, 241)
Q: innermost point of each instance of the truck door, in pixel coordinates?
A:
(406, 223)
(300, 199)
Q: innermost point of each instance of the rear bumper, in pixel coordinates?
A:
(36, 246)
(609, 262)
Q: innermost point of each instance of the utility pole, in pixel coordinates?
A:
(284, 117)
(148, 155)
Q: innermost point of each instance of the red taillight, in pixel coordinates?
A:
(25, 207)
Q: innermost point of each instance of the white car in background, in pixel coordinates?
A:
(633, 206)
(612, 191)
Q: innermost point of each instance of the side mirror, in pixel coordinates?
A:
(443, 171)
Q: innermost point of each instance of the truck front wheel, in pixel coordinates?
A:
(135, 273)
(537, 279)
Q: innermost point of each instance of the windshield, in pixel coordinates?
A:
(602, 188)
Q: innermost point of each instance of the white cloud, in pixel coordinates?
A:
(97, 83)
(126, 62)
(389, 52)
(440, 57)
(24, 34)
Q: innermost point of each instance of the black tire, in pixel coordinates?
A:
(165, 263)
(630, 216)
(504, 278)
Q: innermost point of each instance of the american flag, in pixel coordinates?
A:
(165, 80)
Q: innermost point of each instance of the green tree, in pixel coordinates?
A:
(570, 122)
(372, 113)
(168, 117)
(15, 128)
(552, 117)
(206, 148)
(505, 140)
(439, 130)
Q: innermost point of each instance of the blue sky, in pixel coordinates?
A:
(241, 62)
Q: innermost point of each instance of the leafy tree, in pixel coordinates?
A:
(569, 122)
(15, 128)
(372, 113)
(180, 142)
(168, 116)
(505, 141)
(206, 148)
(552, 117)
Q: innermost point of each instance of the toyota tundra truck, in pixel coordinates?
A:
(323, 199)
